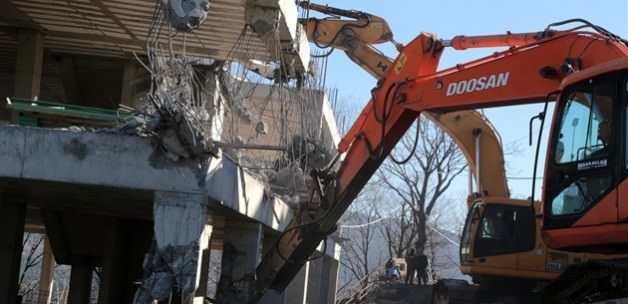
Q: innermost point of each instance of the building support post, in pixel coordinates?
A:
(114, 266)
(12, 216)
(80, 281)
(129, 75)
(330, 270)
(29, 65)
(46, 274)
(296, 292)
(173, 266)
(242, 253)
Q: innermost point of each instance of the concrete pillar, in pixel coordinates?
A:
(202, 290)
(70, 81)
(296, 292)
(323, 275)
(173, 267)
(315, 282)
(80, 281)
(28, 64)
(242, 252)
(129, 75)
(271, 296)
(114, 265)
(330, 271)
(247, 240)
(46, 274)
(11, 235)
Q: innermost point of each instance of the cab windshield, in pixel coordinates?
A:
(585, 125)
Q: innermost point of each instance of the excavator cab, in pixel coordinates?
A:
(496, 233)
(585, 179)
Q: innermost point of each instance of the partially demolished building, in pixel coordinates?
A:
(143, 137)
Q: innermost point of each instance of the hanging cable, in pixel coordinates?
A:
(414, 147)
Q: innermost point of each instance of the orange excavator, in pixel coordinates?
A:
(583, 68)
(501, 242)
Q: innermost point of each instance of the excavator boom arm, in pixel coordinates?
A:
(519, 75)
(469, 129)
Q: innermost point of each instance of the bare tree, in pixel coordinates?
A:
(360, 257)
(32, 251)
(433, 161)
(400, 231)
(440, 245)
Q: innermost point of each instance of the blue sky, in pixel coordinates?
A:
(450, 18)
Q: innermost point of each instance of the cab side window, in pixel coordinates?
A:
(505, 229)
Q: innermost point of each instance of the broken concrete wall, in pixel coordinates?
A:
(280, 133)
(274, 115)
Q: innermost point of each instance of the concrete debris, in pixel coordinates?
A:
(184, 112)
(186, 15)
(290, 182)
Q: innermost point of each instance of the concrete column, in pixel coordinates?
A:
(323, 275)
(129, 75)
(202, 290)
(242, 252)
(296, 292)
(247, 240)
(315, 282)
(80, 281)
(173, 267)
(28, 65)
(114, 265)
(11, 235)
(271, 296)
(330, 270)
(70, 81)
(46, 274)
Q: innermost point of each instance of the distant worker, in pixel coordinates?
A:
(411, 264)
(392, 271)
(421, 268)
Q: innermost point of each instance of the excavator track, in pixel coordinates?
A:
(448, 291)
(590, 282)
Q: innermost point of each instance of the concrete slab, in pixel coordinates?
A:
(12, 151)
(99, 159)
(121, 161)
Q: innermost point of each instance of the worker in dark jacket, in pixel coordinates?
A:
(411, 264)
(421, 268)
